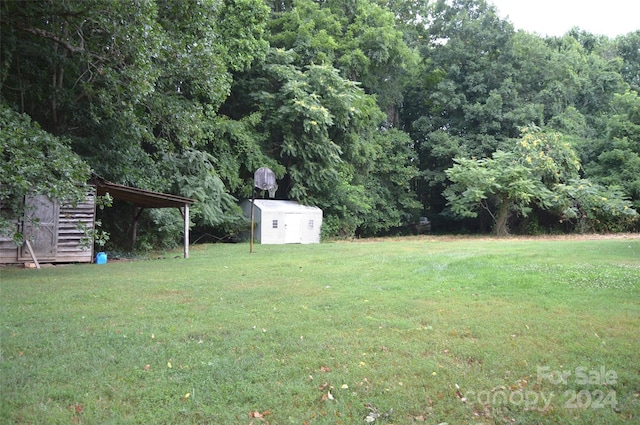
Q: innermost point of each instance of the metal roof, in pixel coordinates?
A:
(283, 205)
(139, 197)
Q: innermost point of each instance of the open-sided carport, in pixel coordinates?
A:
(143, 199)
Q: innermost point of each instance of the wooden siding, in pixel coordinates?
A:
(8, 251)
(69, 237)
(71, 222)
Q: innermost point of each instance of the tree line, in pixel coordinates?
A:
(377, 111)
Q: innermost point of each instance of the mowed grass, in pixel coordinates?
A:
(395, 331)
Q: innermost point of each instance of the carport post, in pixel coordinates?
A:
(186, 230)
(253, 201)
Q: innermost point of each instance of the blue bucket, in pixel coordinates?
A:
(101, 258)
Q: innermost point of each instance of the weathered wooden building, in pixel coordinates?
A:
(56, 231)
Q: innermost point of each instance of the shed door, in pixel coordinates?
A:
(40, 227)
(292, 228)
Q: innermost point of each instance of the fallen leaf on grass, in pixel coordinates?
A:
(371, 418)
(327, 396)
(325, 369)
(374, 413)
(258, 415)
(459, 394)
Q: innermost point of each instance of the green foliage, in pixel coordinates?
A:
(481, 82)
(34, 162)
(541, 170)
(463, 100)
(310, 31)
(615, 160)
(628, 47)
(324, 128)
(321, 127)
(236, 148)
(129, 82)
(596, 208)
(97, 235)
(387, 184)
(500, 185)
(194, 176)
(512, 181)
(548, 154)
(301, 114)
(160, 229)
(347, 205)
(360, 38)
(373, 52)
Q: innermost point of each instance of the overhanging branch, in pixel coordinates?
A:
(51, 36)
(483, 204)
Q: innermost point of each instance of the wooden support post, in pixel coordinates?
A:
(186, 230)
(185, 216)
(33, 255)
(253, 201)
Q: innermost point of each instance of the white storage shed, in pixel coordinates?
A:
(280, 222)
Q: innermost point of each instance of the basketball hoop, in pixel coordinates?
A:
(263, 179)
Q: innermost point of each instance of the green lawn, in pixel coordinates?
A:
(416, 330)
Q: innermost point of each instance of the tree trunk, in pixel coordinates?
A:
(500, 228)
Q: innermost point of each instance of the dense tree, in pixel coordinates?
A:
(129, 82)
(322, 126)
(126, 78)
(360, 38)
(629, 50)
(324, 133)
(614, 160)
(34, 162)
(480, 82)
(80, 69)
(463, 100)
(540, 170)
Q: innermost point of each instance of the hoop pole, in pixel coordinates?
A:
(253, 201)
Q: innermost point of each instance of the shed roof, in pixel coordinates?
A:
(139, 197)
(284, 206)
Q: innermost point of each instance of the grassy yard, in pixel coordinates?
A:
(396, 331)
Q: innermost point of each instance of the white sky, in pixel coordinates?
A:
(556, 17)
